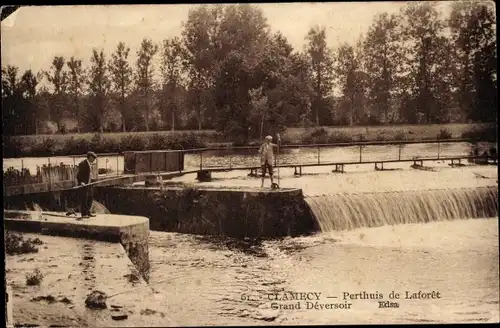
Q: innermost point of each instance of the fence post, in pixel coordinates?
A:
(319, 155)
(201, 160)
(360, 150)
(50, 176)
(439, 148)
(399, 152)
(117, 172)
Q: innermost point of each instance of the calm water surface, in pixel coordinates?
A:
(227, 158)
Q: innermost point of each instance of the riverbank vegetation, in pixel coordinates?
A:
(15, 244)
(34, 278)
(78, 144)
(402, 71)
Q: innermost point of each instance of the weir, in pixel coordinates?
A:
(231, 211)
(351, 211)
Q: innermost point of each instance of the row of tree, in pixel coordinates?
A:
(228, 71)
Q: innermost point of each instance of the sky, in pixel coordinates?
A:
(32, 36)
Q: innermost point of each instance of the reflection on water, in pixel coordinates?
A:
(88, 265)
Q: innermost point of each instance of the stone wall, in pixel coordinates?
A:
(222, 212)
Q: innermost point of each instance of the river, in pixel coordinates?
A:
(200, 280)
(196, 280)
(246, 157)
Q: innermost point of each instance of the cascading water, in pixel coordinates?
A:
(351, 211)
(99, 208)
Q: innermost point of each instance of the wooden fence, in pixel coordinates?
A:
(44, 174)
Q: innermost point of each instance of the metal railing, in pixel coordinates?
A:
(361, 144)
(202, 164)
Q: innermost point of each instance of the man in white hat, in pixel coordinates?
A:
(267, 158)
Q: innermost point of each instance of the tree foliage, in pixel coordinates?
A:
(121, 79)
(322, 62)
(227, 70)
(99, 86)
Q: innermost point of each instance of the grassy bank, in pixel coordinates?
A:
(389, 133)
(76, 144)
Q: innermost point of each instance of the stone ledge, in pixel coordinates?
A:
(132, 232)
(103, 227)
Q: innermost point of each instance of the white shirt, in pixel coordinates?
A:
(91, 171)
(266, 153)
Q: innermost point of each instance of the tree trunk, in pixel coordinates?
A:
(122, 104)
(386, 115)
(79, 122)
(200, 119)
(317, 115)
(318, 101)
(262, 127)
(352, 110)
(147, 115)
(173, 121)
(174, 104)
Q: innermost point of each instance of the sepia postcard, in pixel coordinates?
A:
(249, 164)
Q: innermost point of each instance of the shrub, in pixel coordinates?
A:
(192, 140)
(76, 146)
(400, 135)
(338, 137)
(382, 135)
(132, 142)
(35, 278)
(485, 134)
(158, 141)
(444, 134)
(15, 244)
(317, 136)
(99, 144)
(12, 147)
(288, 140)
(45, 148)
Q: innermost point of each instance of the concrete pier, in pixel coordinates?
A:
(237, 212)
(131, 232)
(222, 211)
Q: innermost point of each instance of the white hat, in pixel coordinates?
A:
(269, 137)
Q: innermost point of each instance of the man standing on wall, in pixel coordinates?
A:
(266, 153)
(84, 178)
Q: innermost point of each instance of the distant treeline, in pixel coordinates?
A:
(227, 71)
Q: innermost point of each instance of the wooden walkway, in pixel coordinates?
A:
(339, 166)
(204, 171)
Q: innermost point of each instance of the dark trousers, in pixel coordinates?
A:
(267, 167)
(86, 198)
